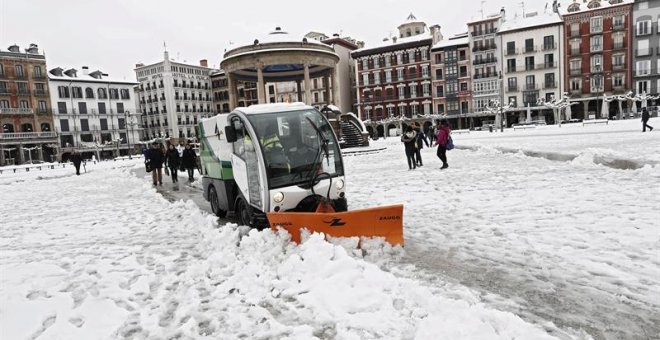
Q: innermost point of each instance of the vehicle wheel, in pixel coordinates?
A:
(243, 212)
(215, 204)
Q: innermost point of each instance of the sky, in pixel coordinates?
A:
(114, 35)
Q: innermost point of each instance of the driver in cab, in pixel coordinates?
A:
(271, 145)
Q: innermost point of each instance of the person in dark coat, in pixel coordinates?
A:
(76, 158)
(645, 118)
(441, 138)
(189, 160)
(156, 158)
(409, 139)
(420, 144)
(172, 160)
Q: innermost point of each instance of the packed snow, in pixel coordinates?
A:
(103, 255)
(499, 246)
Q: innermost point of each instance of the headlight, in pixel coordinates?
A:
(339, 184)
(278, 197)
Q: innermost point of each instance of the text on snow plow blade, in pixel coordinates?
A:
(280, 165)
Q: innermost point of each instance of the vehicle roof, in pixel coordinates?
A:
(273, 108)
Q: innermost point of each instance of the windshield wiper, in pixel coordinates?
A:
(323, 148)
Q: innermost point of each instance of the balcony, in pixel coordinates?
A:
(512, 51)
(618, 27)
(531, 87)
(575, 51)
(531, 49)
(511, 69)
(549, 47)
(4, 91)
(2, 75)
(618, 67)
(548, 65)
(619, 46)
(20, 76)
(596, 48)
(576, 91)
(550, 85)
(575, 34)
(28, 135)
(529, 67)
(16, 111)
(512, 88)
(484, 61)
(478, 33)
(576, 71)
(23, 93)
(485, 75)
(41, 93)
(643, 52)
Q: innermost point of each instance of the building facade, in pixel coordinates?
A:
(343, 47)
(394, 79)
(532, 63)
(486, 69)
(173, 98)
(93, 112)
(25, 111)
(599, 61)
(646, 30)
(451, 79)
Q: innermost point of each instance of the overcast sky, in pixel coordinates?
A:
(114, 35)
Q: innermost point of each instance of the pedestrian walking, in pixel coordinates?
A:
(645, 118)
(441, 139)
(409, 139)
(189, 160)
(428, 136)
(419, 144)
(156, 158)
(172, 160)
(76, 158)
(180, 149)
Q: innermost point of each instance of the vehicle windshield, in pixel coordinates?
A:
(290, 145)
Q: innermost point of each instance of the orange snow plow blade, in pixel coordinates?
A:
(386, 222)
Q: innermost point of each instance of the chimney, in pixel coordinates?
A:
(435, 34)
(360, 44)
(204, 63)
(502, 13)
(85, 70)
(33, 49)
(394, 39)
(14, 48)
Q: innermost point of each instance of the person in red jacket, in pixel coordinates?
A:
(441, 139)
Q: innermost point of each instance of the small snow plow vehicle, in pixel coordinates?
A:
(280, 166)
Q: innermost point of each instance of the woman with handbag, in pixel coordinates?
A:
(442, 138)
(172, 162)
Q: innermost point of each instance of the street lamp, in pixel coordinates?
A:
(502, 102)
(130, 121)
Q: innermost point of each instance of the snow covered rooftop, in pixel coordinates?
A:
(280, 36)
(530, 20)
(451, 42)
(581, 6)
(92, 77)
(399, 41)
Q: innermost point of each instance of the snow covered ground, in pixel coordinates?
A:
(569, 245)
(103, 255)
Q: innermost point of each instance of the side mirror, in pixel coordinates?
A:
(230, 133)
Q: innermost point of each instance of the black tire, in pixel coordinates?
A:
(215, 203)
(243, 212)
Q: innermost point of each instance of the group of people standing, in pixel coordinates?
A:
(414, 139)
(174, 158)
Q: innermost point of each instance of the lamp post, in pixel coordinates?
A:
(130, 121)
(502, 102)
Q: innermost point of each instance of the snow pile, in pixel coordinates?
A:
(108, 257)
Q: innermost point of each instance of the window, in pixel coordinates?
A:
(2, 70)
(529, 45)
(441, 108)
(643, 86)
(576, 65)
(644, 27)
(82, 107)
(618, 80)
(19, 71)
(510, 65)
(114, 94)
(511, 47)
(76, 92)
(617, 39)
(399, 74)
(43, 107)
(102, 93)
(64, 125)
(102, 108)
(596, 63)
(596, 25)
(84, 125)
(438, 73)
(643, 68)
(596, 43)
(643, 47)
(530, 82)
(89, 93)
(61, 107)
(464, 87)
(549, 81)
(575, 29)
(617, 21)
(388, 76)
(22, 87)
(438, 58)
(63, 91)
(37, 72)
(617, 60)
(24, 104)
(529, 63)
(104, 124)
(125, 94)
(548, 42)
(426, 90)
(512, 84)
(439, 90)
